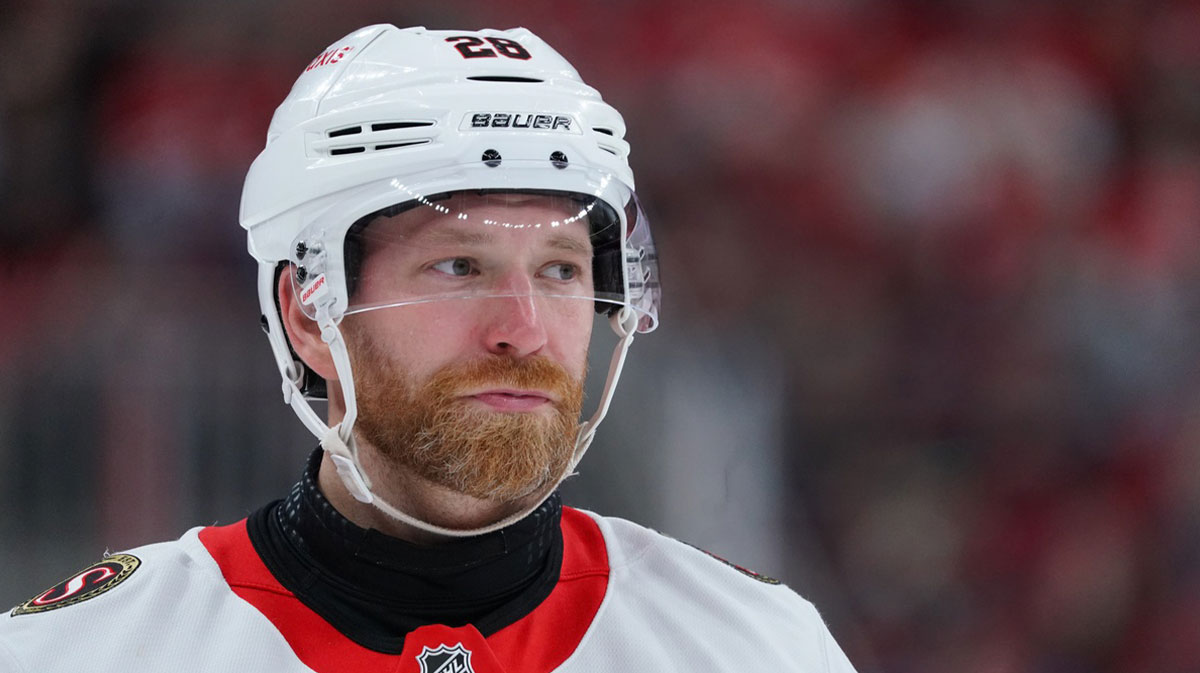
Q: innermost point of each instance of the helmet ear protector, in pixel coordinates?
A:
(312, 385)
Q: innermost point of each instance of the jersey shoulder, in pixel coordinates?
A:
(119, 582)
(125, 610)
(705, 611)
(637, 550)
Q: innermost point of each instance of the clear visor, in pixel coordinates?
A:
(550, 251)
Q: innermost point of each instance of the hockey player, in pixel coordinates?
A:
(439, 218)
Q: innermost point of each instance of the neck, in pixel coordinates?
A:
(415, 496)
(375, 588)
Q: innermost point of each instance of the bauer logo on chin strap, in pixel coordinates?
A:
(86, 584)
(314, 291)
(443, 659)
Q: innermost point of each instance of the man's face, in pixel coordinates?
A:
(480, 389)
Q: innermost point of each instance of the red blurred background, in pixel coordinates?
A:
(929, 350)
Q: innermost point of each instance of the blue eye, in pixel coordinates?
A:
(459, 266)
(562, 271)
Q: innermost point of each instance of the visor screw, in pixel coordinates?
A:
(301, 274)
(491, 158)
(558, 159)
(301, 250)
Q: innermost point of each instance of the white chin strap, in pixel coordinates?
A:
(339, 443)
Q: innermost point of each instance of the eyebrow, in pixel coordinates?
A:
(570, 244)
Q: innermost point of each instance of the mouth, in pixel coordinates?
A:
(512, 400)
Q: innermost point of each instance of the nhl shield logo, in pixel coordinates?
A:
(456, 659)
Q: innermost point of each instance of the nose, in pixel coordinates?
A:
(515, 324)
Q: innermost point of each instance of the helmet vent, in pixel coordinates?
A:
(506, 78)
(388, 126)
(391, 146)
(607, 132)
(359, 149)
(372, 137)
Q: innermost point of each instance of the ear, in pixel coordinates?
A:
(302, 331)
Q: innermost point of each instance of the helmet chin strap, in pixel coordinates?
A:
(624, 324)
(339, 442)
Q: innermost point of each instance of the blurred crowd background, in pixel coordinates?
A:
(931, 334)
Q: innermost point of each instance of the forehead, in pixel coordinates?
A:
(502, 217)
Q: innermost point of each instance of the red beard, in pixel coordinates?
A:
(432, 431)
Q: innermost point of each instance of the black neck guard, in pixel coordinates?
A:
(374, 588)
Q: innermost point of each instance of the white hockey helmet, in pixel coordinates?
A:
(386, 120)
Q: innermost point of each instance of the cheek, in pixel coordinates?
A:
(422, 337)
(568, 339)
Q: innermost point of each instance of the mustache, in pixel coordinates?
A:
(538, 373)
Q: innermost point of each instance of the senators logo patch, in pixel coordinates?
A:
(88, 583)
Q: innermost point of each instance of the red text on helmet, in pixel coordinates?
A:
(328, 57)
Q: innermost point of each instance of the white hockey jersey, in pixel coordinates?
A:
(627, 599)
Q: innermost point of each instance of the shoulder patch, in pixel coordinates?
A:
(83, 585)
(745, 571)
